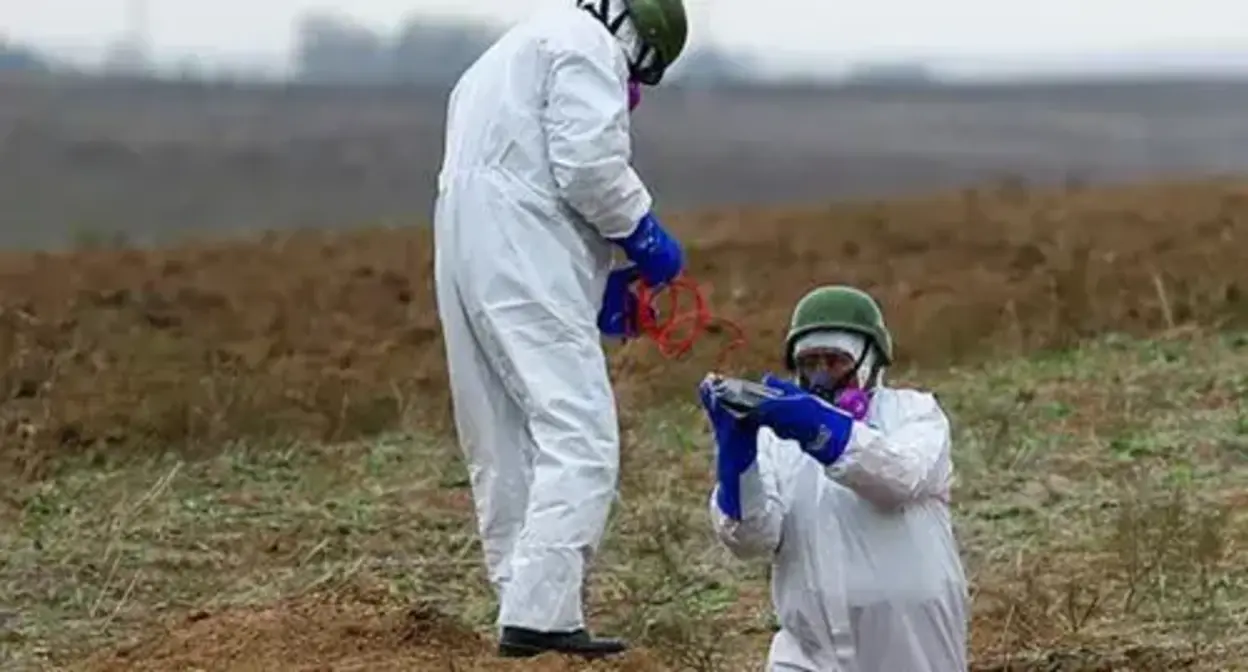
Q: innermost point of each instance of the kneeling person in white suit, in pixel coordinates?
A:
(843, 485)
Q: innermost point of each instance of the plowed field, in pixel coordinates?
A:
(333, 336)
(150, 397)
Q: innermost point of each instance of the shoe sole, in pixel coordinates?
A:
(521, 651)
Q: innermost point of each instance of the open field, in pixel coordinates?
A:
(144, 161)
(233, 455)
(1101, 512)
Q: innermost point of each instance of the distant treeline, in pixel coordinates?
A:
(332, 48)
(16, 57)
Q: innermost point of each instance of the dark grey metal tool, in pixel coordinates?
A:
(740, 396)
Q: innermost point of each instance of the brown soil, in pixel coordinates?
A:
(328, 634)
(334, 335)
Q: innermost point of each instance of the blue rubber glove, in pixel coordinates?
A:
(736, 448)
(822, 429)
(785, 386)
(620, 306)
(656, 253)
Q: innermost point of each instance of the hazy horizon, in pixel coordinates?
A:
(958, 35)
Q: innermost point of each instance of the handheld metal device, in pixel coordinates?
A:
(740, 396)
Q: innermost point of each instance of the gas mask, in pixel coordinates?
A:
(839, 367)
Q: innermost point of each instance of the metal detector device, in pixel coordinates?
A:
(741, 397)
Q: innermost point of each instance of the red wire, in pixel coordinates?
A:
(699, 317)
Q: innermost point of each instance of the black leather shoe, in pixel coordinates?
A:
(525, 643)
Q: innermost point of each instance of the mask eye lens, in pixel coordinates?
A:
(830, 363)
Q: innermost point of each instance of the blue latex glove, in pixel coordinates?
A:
(618, 316)
(736, 448)
(656, 253)
(822, 429)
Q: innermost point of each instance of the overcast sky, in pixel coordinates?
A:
(836, 27)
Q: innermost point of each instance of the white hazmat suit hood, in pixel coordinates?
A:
(613, 14)
(536, 179)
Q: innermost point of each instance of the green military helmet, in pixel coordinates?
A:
(664, 28)
(839, 307)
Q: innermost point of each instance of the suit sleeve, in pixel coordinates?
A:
(905, 464)
(757, 534)
(586, 123)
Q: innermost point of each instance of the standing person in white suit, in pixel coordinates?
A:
(842, 484)
(536, 191)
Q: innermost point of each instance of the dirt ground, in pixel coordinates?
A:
(141, 390)
(116, 357)
(333, 336)
(328, 634)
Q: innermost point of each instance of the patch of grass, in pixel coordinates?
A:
(1099, 504)
(94, 554)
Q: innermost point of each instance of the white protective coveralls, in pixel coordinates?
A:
(866, 575)
(536, 177)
